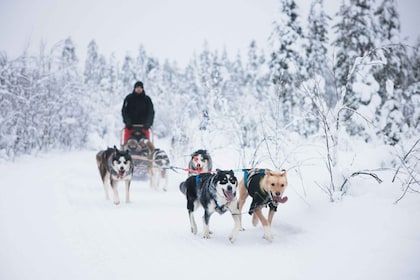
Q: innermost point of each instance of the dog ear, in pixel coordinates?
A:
(283, 172)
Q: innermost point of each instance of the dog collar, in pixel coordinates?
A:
(220, 209)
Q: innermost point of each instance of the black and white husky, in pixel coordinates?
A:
(159, 170)
(115, 166)
(200, 162)
(216, 192)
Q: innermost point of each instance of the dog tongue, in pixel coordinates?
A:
(281, 199)
(120, 173)
(229, 196)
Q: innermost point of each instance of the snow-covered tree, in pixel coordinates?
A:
(286, 60)
(128, 73)
(68, 55)
(256, 71)
(318, 68)
(95, 65)
(354, 39)
(317, 40)
(395, 76)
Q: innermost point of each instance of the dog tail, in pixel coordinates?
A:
(183, 188)
(99, 157)
(101, 161)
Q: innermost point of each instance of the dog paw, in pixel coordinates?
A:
(242, 229)
(267, 234)
(116, 202)
(232, 239)
(269, 237)
(206, 236)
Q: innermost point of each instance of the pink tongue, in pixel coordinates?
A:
(281, 199)
(120, 173)
(229, 196)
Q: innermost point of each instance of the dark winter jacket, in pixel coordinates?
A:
(138, 109)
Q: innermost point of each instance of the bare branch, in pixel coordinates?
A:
(405, 191)
(404, 158)
(379, 180)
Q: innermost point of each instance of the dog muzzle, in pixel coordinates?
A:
(280, 198)
(229, 195)
(121, 173)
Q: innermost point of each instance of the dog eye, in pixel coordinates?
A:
(272, 184)
(232, 180)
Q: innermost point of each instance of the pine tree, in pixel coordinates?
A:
(68, 55)
(128, 73)
(286, 62)
(354, 40)
(94, 67)
(317, 64)
(389, 75)
(72, 118)
(235, 78)
(256, 76)
(114, 85)
(317, 40)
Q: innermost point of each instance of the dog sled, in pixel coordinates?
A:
(141, 151)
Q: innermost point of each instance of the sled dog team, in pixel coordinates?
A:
(215, 191)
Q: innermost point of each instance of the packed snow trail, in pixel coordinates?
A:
(56, 224)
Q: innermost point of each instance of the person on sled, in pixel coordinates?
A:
(137, 109)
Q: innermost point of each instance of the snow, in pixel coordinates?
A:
(56, 224)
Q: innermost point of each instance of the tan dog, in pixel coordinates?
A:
(266, 187)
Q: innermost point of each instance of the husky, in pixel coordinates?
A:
(200, 162)
(215, 192)
(158, 170)
(266, 188)
(115, 166)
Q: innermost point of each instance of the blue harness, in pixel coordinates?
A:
(246, 175)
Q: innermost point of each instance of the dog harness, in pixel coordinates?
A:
(259, 196)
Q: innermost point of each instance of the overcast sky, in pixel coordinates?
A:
(167, 29)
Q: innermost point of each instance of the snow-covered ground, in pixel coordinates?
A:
(56, 224)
